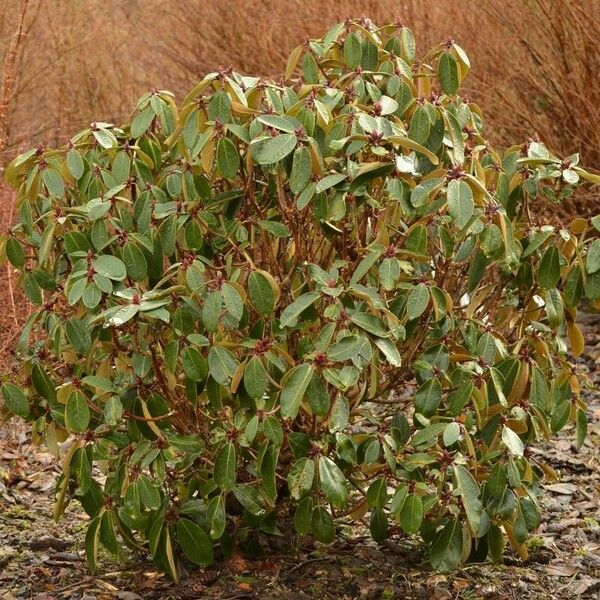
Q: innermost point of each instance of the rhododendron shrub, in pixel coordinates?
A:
(285, 305)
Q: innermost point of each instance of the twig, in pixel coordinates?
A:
(7, 83)
(304, 562)
(9, 76)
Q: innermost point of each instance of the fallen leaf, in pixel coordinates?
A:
(237, 564)
(567, 489)
(585, 584)
(440, 594)
(561, 570)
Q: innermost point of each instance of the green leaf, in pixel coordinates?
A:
(42, 384)
(554, 307)
(249, 497)
(141, 122)
(219, 107)
(216, 516)
(256, 380)
(194, 542)
(389, 273)
(469, 492)
(290, 315)
(310, 70)
(378, 525)
(276, 149)
(75, 163)
(123, 315)
(113, 411)
(495, 539)
(407, 44)
(225, 464)
(301, 170)
(294, 384)
(15, 400)
(322, 525)
(110, 266)
(448, 74)
(194, 364)
(303, 515)
(377, 494)
(211, 310)
(165, 550)
(460, 202)
(273, 430)
(149, 494)
(53, 182)
(389, 350)
(549, 270)
(352, 50)
(228, 158)
(283, 123)
(15, 253)
(370, 323)
(398, 500)
(135, 262)
(105, 138)
(306, 196)
(539, 393)
(419, 126)
(332, 481)
(92, 540)
(428, 397)
(411, 515)
(193, 235)
(328, 182)
(451, 433)
(78, 335)
(77, 413)
(301, 476)
(167, 234)
(81, 471)
(233, 301)
(417, 301)
(592, 260)
(348, 348)
(262, 293)
(368, 173)
(573, 288)
(222, 364)
(275, 228)
(446, 550)
(339, 415)
(512, 441)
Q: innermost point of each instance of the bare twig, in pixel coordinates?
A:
(9, 74)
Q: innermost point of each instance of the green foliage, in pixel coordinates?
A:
(229, 293)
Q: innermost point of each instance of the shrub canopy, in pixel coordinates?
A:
(317, 300)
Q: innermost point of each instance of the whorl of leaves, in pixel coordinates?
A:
(298, 303)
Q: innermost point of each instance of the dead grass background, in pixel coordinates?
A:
(535, 63)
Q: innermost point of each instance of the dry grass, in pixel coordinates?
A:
(76, 64)
(535, 62)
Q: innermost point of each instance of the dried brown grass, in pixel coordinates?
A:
(535, 62)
